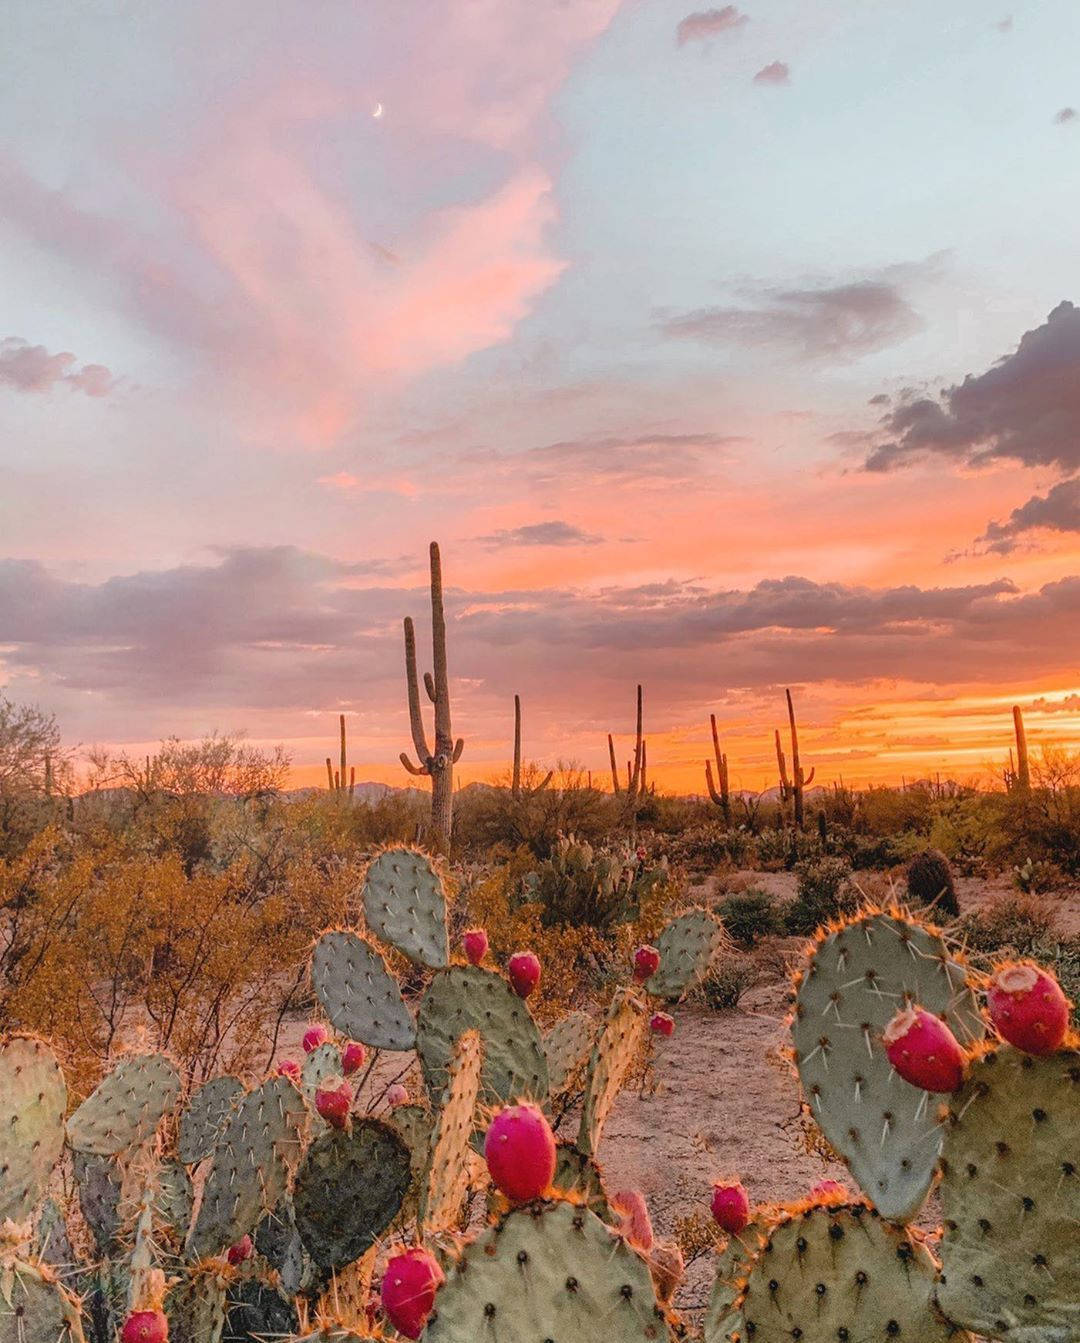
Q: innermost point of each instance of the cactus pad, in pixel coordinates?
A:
(839, 1271)
(52, 1242)
(250, 1168)
(447, 1174)
(551, 1271)
(358, 993)
(466, 998)
(196, 1307)
(34, 1307)
(126, 1107)
(33, 1098)
(204, 1118)
(733, 1264)
(566, 1047)
(349, 1188)
(322, 1064)
(404, 904)
(174, 1198)
(99, 1180)
(859, 976)
(615, 1050)
(579, 1176)
(253, 1311)
(1011, 1194)
(687, 946)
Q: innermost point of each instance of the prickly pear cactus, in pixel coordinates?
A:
(840, 1271)
(52, 1243)
(858, 977)
(579, 1176)
(349, 1189)
(1011, 1194)
(467, 998)
(250, 1169)
(205, 1117)
(733, 1265)
(447, 1174)
(358, 993)
(126, 1107)
(321, 1065)
(174, 1198)
(33, 1098)
(687, 946)
(255, 1311)
(404, 904)
(99, 1181)
(196, 1306)
(34, 1307)
(566, 1047)
(555, 1272)
(615, 1050)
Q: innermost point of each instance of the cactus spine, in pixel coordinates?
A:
(794, 787)
(438, 764)
(719, 789)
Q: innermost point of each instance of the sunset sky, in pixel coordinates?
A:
(721, 349)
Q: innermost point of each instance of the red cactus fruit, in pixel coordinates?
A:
(315, 1035)
(924, 1051)
(646, 963)
(520, 1152)
(524, 971)
(333, 1102)
(291, 1069)
(829, 1189)
(396, 1095)
(352, 1057)
(243, 1249)
(145, 1326)
(661, 1024)
(475, 942)
(730, 1206)
(408, 1290)
(634, 1220)
(1028, 1008)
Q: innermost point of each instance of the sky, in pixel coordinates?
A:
(721, 349)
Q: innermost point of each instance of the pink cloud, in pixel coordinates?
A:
(777, 72)
(31, 368)
(706, 23)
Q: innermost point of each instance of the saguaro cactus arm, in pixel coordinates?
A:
(1023, 770)
(615, 785)
(719, 790)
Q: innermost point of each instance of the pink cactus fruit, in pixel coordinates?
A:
(396, 1095)
(646, 963)
(924, 1051)
(661, 1024)
(524, 971)
(315, 1035)
(730, 1206)
(145, 1326)
(634, 1220)
(408, 1290)
(333, 1101)
(827, 1191)
(520, 1152)
(291, 1069)
(1028, 1008)
(242, 1250)
(353, 1055)
(475, 942)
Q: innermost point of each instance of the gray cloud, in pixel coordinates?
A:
(31, 368)
(1057, 511)
(839, 320)
(776, 72)
(553, 533)
(1025, 408)
(1066, 115)
(706, 23)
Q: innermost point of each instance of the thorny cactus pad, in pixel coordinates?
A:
(174, 1197)
(349, 1189)
(1011, 1194)
(321, 1065)
(857, 978)
(687, 946)
(358, 993)
(841, 1272)
(34, 1307)
(551, 1271)
(204, 1118)
(446, 1177)
(126, 1107)
(404, 904)
(250, 1169)
(468, 998)
(196, 1308)
(98, 1179)
(579, 1176)
(733, 1264)
(615, 1050)
(566, 1047)
(33, 1098)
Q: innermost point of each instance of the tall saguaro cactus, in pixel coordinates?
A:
(1023, 770)
(635, 776)
(719, 789)
(335, 779)
(515, 786)
(438, 763)
(795, 786)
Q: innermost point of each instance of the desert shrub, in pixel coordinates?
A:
(729, 979)
(1036, 877)
(1011, 922)
(710, 844)
(597, 888)
(825, 891)
(486, 816)
(773, 849)
(750, 915)
(930, 882)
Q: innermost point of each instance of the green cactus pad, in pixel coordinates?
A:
(254, 1311)
(277, 1241)
(841, 1272)
(551, 1271)
(196, 1308)
(1011, 1194)
(733, 1265)
(250, 1169)
(174, 1198)
(857, 979)
(446, 1176)
(579, 1176)
(52, 1243)
(126, 1107)
(205, 1117)
(687, 946)
(321, 1065)
(98, 1179)
(467, 998)
(358, 993)
(349, 1189)
(33, 1098)
(615, 1049)
(34, 1307)
(566, 1047)
(404, 904)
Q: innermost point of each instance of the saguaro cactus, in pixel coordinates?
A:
(335, 779)
(438, 764)
(1023, 770)
(795, 786)
(635, 773)
(719, 789)
(515, 787)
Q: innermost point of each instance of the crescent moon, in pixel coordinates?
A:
(377, 111)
